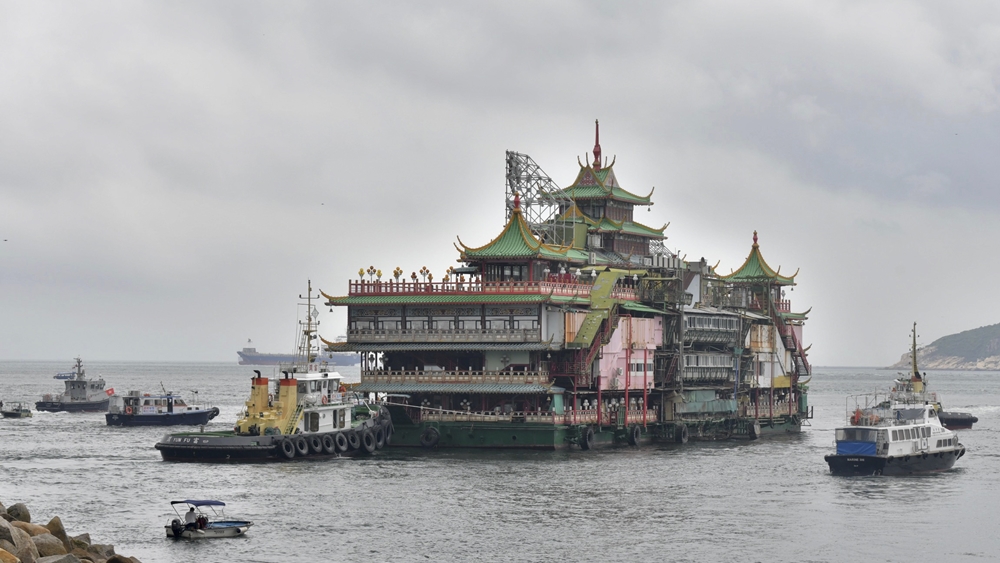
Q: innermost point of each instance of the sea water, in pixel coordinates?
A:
(768, 500)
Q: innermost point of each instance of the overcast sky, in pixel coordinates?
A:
(172, 173)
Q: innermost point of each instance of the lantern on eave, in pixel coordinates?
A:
(413, 276)
(397, 272)
(361, 273)
(424, 272)
(371, 272)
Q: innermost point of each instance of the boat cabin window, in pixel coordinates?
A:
(856, 435)
(895, 435)
(179, 403)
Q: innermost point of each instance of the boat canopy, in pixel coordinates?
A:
(199, 502)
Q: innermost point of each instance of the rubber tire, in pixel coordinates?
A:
(214, 413)
(754, 430)
(315, 444)
(634, 434)
(301, 446)
(353, 440)
(430, 437)
(368, 440)
(379, 437)
(681, 434)
(387, 427)
(340, 441)
(587, 439)
(329, 446)
(287, 448)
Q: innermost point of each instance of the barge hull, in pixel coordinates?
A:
(880, 465)
(172, 419)
(82, 406)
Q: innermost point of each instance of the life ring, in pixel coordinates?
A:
(353, 441)
(368, 440)
(587, 439)
(315, 443)
(301, 446)
(681, 434)
(340, 441)
(323, 400)
(128, 410)
(388, 429)
(329, 446)
(288, 448)
(430, 437)
(634, 434)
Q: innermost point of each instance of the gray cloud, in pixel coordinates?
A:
(171, 174)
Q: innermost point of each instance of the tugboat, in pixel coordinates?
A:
(167, 409)
(308, 413)
(912, 390)
(885, 438)
(15, 410)
(81, 395)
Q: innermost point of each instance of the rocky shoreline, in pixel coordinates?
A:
(21, 541)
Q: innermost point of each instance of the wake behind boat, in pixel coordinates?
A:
(196, 523)
(883, 438)
(81, 394)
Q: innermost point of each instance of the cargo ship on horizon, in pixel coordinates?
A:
(249, 356)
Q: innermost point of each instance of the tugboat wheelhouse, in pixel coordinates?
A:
(576, 326)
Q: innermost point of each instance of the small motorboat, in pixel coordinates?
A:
(196, 523)
(15, 410)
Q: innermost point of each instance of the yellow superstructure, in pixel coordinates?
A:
(266, 411)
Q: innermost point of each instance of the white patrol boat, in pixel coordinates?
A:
(884, 438)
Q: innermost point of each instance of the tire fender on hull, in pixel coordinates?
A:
(430, 437)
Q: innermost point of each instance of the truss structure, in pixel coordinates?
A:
(542, 201)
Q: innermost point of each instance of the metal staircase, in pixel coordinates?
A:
(294, 421)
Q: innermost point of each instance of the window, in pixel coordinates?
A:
(895, 435)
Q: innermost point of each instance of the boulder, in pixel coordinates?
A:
(82, 554)
(65, 558)
(47, 544)
(20, 512)
(85, 538)
(5, 532)
(7, 546)
(55, 527)
(32, 529)
(25, 548)
(102, 551)
(119, 559)
(2, 507)
(8, 557)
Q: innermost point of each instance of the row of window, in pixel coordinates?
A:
(638, 367)
(711, 323)
(911, 433)
(945, 443)
(708, 360)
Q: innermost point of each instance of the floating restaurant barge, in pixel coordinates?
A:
(577, 327)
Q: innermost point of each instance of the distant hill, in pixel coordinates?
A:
(978, 348)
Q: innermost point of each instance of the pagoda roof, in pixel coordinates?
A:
(756, 270)
(602, 184)
(628, 227)
(517, 241)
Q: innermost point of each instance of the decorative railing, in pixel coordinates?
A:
(445, 335)
(590, 416)
(392, 376)
(563, 289)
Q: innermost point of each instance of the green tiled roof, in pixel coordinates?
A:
(640, 308)
(517, 241)
(434, 299)
(756, 270)
(489, 388)
(601, 184)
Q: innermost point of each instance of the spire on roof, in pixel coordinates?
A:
(597, 145)
(517, 200)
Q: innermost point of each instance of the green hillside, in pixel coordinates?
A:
(970, 345)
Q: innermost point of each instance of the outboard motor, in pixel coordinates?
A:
(176, 527)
